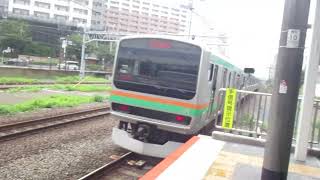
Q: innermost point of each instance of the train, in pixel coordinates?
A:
(165, 90)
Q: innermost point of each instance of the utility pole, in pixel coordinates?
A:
(306, 113)
(83, 63)
(190, 22)
(286, 89)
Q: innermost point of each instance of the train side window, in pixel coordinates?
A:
(210, 72)
(224, 80)
(229, 79)
(215, 77)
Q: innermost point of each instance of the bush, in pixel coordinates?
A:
(98, 98)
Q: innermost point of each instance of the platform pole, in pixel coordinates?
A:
(83, 61)
(306, 113)
(285, 90)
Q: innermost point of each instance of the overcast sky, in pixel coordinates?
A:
(253, 27)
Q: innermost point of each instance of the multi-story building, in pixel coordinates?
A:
(79, 12)
(144, 16)
(3, 8)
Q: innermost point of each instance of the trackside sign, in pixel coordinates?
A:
(229, 108)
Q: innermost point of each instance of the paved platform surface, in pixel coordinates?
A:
(205, 158)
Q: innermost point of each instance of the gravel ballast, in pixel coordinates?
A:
(62, 153)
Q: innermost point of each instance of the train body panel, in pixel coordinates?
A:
(165, 90)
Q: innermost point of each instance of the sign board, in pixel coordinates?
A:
(249, 70)
(283, 87)
(293, 38)
(229, 108)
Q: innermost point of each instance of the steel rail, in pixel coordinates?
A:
(103, 170)
(10, 131)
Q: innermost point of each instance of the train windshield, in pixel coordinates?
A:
(158, 66)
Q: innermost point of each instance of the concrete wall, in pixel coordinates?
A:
(32, 72)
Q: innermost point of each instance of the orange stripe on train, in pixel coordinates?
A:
(159, 100)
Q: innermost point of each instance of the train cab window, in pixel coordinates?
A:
(158, 66)
(210, 72)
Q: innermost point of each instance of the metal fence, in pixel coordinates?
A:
(252, 113)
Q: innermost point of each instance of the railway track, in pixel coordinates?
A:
(127, 166)
(11, 131)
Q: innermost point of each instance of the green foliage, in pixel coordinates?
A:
(247, 120)
(99, 98)
(16, 29)
(17, 35)
(46, 102)
(39, 49)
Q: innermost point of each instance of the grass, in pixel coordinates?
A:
(65, 79)
(82, 88)
(25, 89)
(17, 80)
(49, 102)
(72, 79)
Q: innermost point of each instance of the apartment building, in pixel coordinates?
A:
(3, 8)
(78, 12)
(145, 16)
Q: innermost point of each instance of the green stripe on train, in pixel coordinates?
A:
(157, 106)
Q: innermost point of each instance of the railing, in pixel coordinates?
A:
(252, 113)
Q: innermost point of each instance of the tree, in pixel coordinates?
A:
(15, 29)
(15, 34)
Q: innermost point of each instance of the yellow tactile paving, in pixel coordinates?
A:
(223, 167)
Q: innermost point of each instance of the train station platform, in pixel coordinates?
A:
(203, 157)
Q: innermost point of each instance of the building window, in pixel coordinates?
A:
(174, 14)
(22, 2)
(154, 10)
(125, 4)
(20, 11)
(113, 7)
(145, 3)
(164, 12)
(60, 17)
(134, 6)
(135, 12)
(80, 11)
(42, 5)
(61, 8)
(145, 8)
(124, 9)
(136, 1)
(79, 20)
(41, 14)
(114, 2)
(176, 10)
